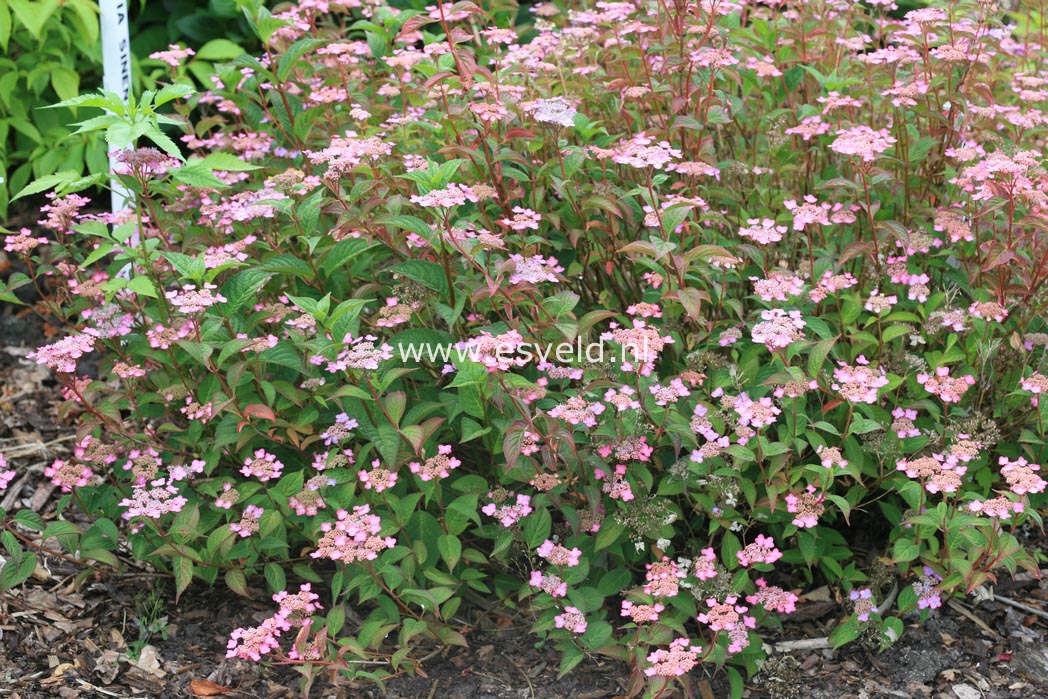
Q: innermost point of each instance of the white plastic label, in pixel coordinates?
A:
(116, 64)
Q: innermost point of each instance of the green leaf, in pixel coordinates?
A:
(227, 162)
(47, 183)
(142, 286)
(891, 630)
(342, 252)
(5, 26)
(66, 82)
(817, 356)
(537, 527)
(34, 15)
(292, 55)
(219, 50)
(429, 274)
(154, 134)
(275, 578)
(472, 430)
(190, 268)
(450, 549)
(409, 223)
(172, 92)
(183, 570)
(243, 287)
(60, 528)
(736, 683)
(845, 633)
(30, 520)
(237, 581)
(17, 570)
(905, 550)
(198, 350)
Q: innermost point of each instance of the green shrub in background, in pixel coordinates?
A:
(50, 50)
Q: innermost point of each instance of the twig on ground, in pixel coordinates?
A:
(531, 687)
(802, 644)
(960, 609)
(1019, 605)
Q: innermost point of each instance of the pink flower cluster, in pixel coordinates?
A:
(571, 619)
(1021, 476)
(641, 613)
(643, 343)
(174, 56)
(263, 466)
(859, 384)
(762, 550)
(248, 523)
(950, 389)
(862, 601)
(773, 598)
(939, 474)
(806, 507)
(61, 356)
(778, 329)
(377, 479)
(295, 611)
(451, 196)
(731, 617)
(509, 515)
(534, 270)
(548, 583)
(999, 507)
(356, 536)
(68, 475)
(1037, 384)
(190, 299)
(762, 231)
(662, 578)
(358, 353)
(675, 661)
(616, 486)
(6, 475)
(496, 352)
(436, 467)
(578, 411)
(559, 555)
(755, 413)
(863, 142)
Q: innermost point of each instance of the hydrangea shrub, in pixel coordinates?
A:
(638, 318)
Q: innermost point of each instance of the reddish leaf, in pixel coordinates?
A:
(207, 688)
(413, 25)
(519, 133)
(262, 411)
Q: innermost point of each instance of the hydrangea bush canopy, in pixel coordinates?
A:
(639, 318)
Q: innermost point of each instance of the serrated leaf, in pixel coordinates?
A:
(275, 578)
(46, 183)
(219, 50)
(817, 355)
(237, 582)
(227, 162)
(183, 570)
(429, 274)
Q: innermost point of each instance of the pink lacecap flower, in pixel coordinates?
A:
(762, 550)
(559, 555)
(572, 619)
(436, 467)
(677, 660)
